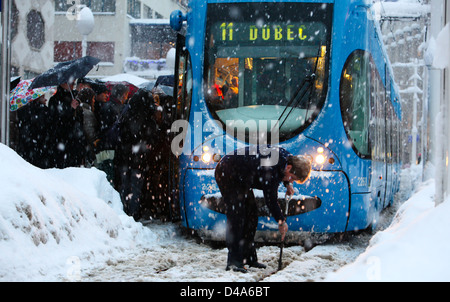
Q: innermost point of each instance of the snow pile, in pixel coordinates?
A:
(414, 248)
(442, 49)
(68, 225)
(53, 222)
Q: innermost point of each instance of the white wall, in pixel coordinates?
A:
(22, 55)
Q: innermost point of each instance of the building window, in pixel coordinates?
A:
(35, 29)
(102, 50)
(101, 5)
(148, 12)
(96, 6)
(69, 50)
(66, 51)
(134, 8)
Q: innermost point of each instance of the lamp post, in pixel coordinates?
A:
(5, 7)
(85, 25)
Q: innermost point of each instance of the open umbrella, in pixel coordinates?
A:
(65, 72)
(21, 95)
(14, 82)
(125, 77)
(132, 88)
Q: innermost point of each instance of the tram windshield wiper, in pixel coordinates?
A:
(298, 96)
(297, 99)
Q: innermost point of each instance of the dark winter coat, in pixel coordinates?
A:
(242, 171)
(108, 114)
(67, 129)
(34, 140)
(91, 130)
(90, 124)
(236, 175)
(138, 131)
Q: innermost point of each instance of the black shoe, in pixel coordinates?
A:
(239, 268)
(257, 265)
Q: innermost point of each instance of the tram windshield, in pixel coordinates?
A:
(266, 65)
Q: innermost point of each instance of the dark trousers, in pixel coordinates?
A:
(242, 221)
(131, 186)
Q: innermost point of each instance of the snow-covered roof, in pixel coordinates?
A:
(150, 21)
(401, 10)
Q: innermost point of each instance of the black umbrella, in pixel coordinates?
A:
(14, 82)
(167, 80)
(65, 72)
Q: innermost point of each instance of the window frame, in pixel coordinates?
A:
(345, 104)
(320, 96)
(61, 6)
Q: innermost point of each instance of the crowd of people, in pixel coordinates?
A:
(92, 126)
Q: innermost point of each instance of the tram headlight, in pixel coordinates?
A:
(320, 159)
(206, 157)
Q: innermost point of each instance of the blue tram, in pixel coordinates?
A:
(310, 76)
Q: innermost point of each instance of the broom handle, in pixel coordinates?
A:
(280, 261)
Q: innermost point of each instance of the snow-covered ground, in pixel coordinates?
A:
(68, 225)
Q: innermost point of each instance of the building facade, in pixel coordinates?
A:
(44, 32)
(405, 27)
(126, 33)
(32, 28)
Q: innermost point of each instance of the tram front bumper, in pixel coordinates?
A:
(321, 205)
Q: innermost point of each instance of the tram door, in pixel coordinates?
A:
(378, 106)
(179, 111)
(389, 138)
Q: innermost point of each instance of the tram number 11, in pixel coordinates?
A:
(227, 30)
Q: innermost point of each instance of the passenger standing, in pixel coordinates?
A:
(108, 115)
(157, 200)
(33, 139)
(101, 98)
(66, 128)
(90, 124)
(231, 97)
(137, 137)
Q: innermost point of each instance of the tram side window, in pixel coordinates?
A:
(355, 101)
(185, 85)
(378, 123)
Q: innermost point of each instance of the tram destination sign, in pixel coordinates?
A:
(269, 34)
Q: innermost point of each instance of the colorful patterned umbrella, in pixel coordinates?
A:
(21, 96)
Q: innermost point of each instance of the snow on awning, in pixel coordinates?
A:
(400, 10)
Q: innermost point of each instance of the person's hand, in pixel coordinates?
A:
(95, 143)
(290, 190)
(283, 228)
(75, 103)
